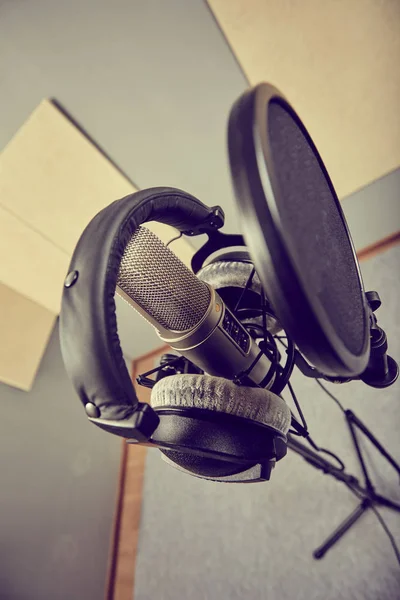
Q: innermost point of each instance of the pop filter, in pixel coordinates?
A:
(296, 233)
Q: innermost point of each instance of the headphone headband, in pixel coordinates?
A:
(88, 328)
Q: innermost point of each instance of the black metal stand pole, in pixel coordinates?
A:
(319, 462)
(366, 492)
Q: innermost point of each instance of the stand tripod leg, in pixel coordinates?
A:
(352, 420)
(366, 492)
(341, 530)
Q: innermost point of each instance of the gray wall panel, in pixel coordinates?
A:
(58, 489)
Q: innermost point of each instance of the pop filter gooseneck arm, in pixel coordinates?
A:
(382, 370)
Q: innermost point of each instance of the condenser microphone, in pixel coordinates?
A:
(187, 313)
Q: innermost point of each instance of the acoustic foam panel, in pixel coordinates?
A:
(25, 328)
(53, 180)
(337, 63)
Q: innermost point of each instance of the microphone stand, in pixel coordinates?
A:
(382, 371)
(369, 499)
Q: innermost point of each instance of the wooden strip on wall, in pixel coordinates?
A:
(381, 246)
(116, 526)
(124, 575)
(121, 575)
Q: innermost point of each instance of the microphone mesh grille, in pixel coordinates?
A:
(161, 284)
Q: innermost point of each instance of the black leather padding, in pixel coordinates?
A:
(88, 327)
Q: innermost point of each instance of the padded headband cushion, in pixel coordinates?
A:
(222, 395)
(88, 328)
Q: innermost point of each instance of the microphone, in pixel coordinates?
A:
(187, 313)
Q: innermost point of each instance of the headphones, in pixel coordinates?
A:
(204, 425)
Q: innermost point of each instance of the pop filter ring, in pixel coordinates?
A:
(257, 190)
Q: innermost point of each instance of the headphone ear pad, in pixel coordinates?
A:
(223, 396)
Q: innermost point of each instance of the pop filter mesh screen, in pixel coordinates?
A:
(310, 220)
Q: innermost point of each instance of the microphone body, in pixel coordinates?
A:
(187, 313)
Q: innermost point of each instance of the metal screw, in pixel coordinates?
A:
(92, 410)
(71, 278)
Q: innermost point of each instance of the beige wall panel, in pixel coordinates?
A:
(338, 63)
(30, 264)
(25, 328)
(55, 180)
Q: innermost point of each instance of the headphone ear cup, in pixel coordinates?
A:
(207, 402)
